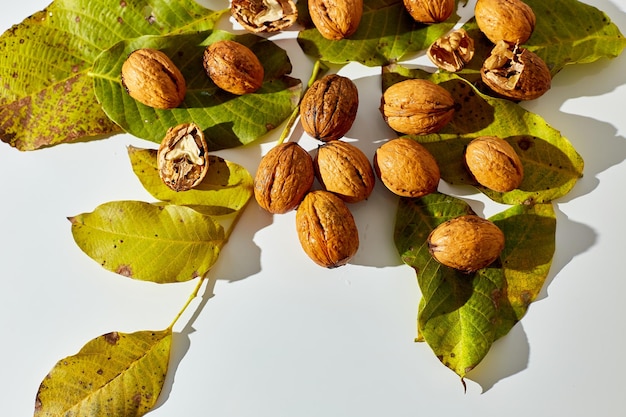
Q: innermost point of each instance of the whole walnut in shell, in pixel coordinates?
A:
(466, 243)
(494, 163)
(264, 15)
(336, 19)
(233, 67)
(430, 11)
(512, 21)
(150, 77)
(329, 107)
(326, 229)
(284, 176)
(516, 73)
(344, 170)
(406, 168)
(417, 107)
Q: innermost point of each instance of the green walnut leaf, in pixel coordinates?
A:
(227, 120)
(48, 96)
(116, 374)
(151, 242)
(386, 34)
(226, 188)
(552, 166)
(460, 315)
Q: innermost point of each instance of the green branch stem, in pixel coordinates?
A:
(192, 296)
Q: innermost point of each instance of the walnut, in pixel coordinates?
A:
(512, 21)
(150, 77)
(264, 15)
(516, 73)
(284, 176)
(182, 157)
(417, 107)
(453, 51)
(343, 169)
(467, 243)
(406, 168)
(326, 229)
(328, 108)
(233, 67)
(430, 11)
(494, 163)
(336, 19)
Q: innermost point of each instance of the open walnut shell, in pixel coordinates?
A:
(264, 15)
(453, 51)
(182, 157)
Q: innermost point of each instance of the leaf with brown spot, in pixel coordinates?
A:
(116, 374)
(150, 242)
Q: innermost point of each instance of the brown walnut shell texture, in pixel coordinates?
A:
(343, 169)
(284, 176)
(516, 73)
(182, 158)
(466, 243)
(452, 51)
(264, 15)
(417, 107)
(407, 168)
(336, 19)
(329, 107)
(326, 229)
(430, 11)
(233, 67)
(150, 77)
(512, 21)
(494, 163)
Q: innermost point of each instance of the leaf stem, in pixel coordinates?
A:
(318, 67)
(192, 296)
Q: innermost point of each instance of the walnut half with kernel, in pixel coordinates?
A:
(453, 51)
(264, 15)
(182, 157)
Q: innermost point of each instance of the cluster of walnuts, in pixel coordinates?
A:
(286, 174)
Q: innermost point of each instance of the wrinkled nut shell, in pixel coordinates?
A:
(344, 170)
(452, 51)
(264, 15)
(150, 77)
(512, 21)
(417, 107)
(516, 73)
(466, 243)
(284, 176)
(326, 229)
(233, 67)
(494, 163)
(430, 11)
(329, 107)
(406, 168)
(336, 19)
(182, 158)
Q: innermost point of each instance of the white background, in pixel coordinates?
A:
(274, 334)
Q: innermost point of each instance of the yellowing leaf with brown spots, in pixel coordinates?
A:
(152, 242)
(116, 374)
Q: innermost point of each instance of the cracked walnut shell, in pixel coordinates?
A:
(150, 77)
(466, 243)
(453, 51)
(417, 107)
(233, 67)
(336, 19)
(182, 157)
(326, 229)
(494, 163)
(264, 15)
(284, 176)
